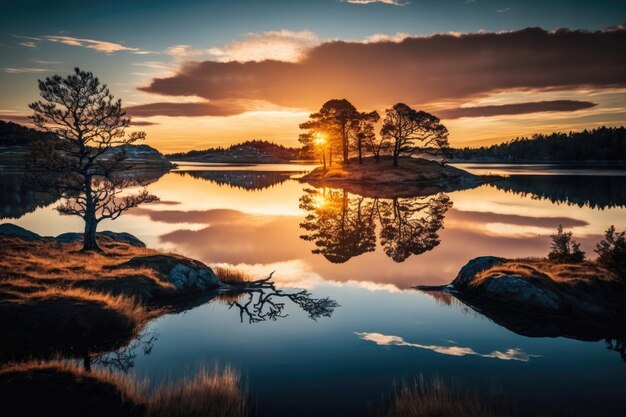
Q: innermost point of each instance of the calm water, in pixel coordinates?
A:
(366, 254)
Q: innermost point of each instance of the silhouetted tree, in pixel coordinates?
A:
(612, 251)
(335, 119)
(601, 144)
(405, 127)
(410, 226)
(376, 145)
(362, 132)
(264, 302)
(83, 164)
(341, 227)
(564, 249)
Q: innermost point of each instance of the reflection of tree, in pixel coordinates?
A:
(340, 226)
(245, 180)
(263, 301)
(595, 191)
(617, 345)
(409, 226)
(124, 359)
(344, 226)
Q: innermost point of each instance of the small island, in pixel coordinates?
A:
(562, 295)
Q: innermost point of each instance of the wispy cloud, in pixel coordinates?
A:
(23, 70)
(390, 2)
(105, 47)
(513, 354)
(506, 9)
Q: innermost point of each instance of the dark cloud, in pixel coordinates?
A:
(221, 108)
(417, 70)
(142, 123)
(517, 108)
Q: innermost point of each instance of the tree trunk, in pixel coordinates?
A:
(89, 236)
(90, 244)
(360, 153)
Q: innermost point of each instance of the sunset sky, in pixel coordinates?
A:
(195, 74)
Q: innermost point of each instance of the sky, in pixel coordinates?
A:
(197, 74)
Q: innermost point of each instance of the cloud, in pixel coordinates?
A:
(29, 44)
(516, 108)
(282, 45)
(506, 9)
(425, 70)
(221, 108)
(100, 46)
(390, 2)
(142, 123)
(23, 70)
(513, 354)
(485, 217)
(17, 118)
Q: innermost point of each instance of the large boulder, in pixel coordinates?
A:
(9, 229)
(123, 237)
(183, 273)
(472, 268)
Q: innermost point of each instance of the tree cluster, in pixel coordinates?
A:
(611, 250)
(601, 144)
(338, 131)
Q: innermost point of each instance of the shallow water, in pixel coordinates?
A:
(371, 252)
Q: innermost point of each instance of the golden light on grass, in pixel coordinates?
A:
(208, 393)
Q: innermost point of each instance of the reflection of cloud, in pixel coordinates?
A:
(24, 70)
(487, 217)
(513, 354)
(516, 108)
(427, 70)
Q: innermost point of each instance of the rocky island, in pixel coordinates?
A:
(539, 298)
(413, 177)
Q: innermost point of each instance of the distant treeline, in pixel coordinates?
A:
(264, 146)
(602, 144)
(13, 134)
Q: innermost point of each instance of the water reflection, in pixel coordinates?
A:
(591, 191)
(263, 301)
(512, 354)
(242, 179)
(18, 197)
(343, 226)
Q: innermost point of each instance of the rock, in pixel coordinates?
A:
(9, 229)
(123, 237)
(183, 273)
(140, 157)
(519, 291)
(473, 267)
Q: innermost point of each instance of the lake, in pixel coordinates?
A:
(366, 254)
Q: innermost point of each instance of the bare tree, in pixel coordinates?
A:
(406, 126)
(84, 163)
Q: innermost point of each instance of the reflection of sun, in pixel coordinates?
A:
(319, 201)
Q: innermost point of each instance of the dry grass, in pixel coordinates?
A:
(436, 399)
(53, 261)
(572, 274)
(207, 394)
(232, 276)
(217, 393)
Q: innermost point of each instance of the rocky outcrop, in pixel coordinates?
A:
(141, 157)
(539, 298)
(123, 237)
(183, 273)
(12, 230)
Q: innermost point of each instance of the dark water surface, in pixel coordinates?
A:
(366, 254)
